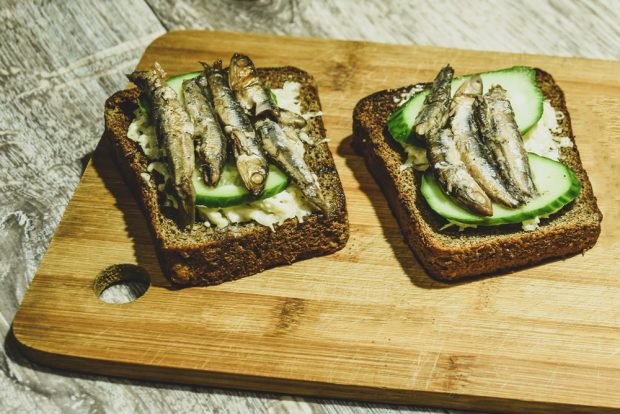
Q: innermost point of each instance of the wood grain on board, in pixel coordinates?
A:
(367, 322)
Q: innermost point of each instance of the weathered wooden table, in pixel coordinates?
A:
(60, 60)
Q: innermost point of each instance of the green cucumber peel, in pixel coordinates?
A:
(525, 97)
(557, 185)
(230, 191)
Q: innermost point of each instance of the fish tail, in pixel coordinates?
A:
(187, 204)
(320, 202)
(159, 71)
(137, 77)
(209, 175)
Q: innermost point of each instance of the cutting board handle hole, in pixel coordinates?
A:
(121, 283)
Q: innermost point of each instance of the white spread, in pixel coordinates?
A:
(311, 114)
(287, 204)
(405, 96)
(143, 133)
(416, 158)
(160, 167)
(544, 138)
(288, 96)
(531, 224)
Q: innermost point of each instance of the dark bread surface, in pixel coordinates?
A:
(450, 254)
(207, 255)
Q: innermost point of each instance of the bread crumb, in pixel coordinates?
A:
(531, 224)
(405, 96)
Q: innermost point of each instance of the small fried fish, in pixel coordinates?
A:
(434, 114)
(251, 162)
(500, 134)
(467, 139)
(452, 174)
(175, 134)
(290, 118)
(287, 151)
(209, 137)
(249, 88)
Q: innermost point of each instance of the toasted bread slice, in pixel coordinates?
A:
(450, 254)
(207, 255)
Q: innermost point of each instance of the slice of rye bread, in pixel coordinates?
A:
(208, 255)
(449, 254)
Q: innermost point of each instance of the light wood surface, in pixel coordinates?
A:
(60, 60)
(366, 322)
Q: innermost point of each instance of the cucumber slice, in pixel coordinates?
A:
(557, 184)
(176, 83)
(230, 190)
(519, 81)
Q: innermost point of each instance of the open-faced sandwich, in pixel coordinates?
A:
(481, 171)
(231, 168)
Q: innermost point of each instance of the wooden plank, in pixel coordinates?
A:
(368, 323)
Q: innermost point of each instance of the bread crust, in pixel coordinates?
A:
(209, 256)
(451, 255)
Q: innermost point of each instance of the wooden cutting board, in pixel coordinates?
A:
(364, 323)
